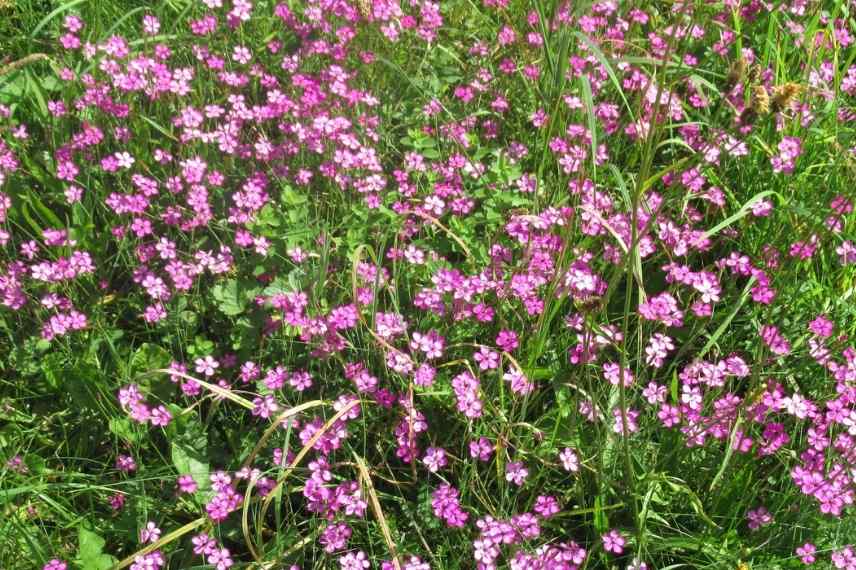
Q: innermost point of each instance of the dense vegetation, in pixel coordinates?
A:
(409, 285)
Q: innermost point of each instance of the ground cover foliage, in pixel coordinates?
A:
(408, 284)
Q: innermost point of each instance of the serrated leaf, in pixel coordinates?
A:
(229, 297)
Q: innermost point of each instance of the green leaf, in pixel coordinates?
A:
(696, 504)
(201, 346)
(601, 522)
(742, 212)
(673, 388)
(149, 357)
(231, 297)
(52, 366)
(292, 197)
(14, 89)
(91, 551)
(189, 461)
(122, 427)
(77, 380)
(189, 452)
(269, 216)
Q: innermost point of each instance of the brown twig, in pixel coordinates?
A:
(26, 60)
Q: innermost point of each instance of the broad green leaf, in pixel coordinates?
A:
(91, 551)
(229, 297)
(122, 427)
(149, 357)
(189, 453)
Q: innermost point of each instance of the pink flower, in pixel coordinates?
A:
(806, 553)
(220, 558)
(845, 558)
(486, 358)
(570, 460)
(151, 533)
(614, 373)
(435, 459)
(507, 340)
(790, 148)
(186, 484)
(546, 506)
(481, 449)
(630, 416)
(116, 501)
(264, 407)
(151, 25)
(654, 393)
(354, 561)
(203, 544)
(846, 252)
(821, 326)
(206, 366)
(759, 517)
(613, 542)
(761, 208)
(444, 502)
(126, 463)
(774, 340)
(520, 384)
(335, 537)
(516, 473)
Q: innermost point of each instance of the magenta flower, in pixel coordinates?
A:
(759, 517)
(150, 533)
(570, 460)
(846, 252)
(790, 148)
(116, 501)
(844, 558)
(481, 449)
(335, 537)
(774, 340)
(444, 502)
(186, 484)
(354, 561)
(507, 340)
(203, 544)
(613, 542)
(206, 366)
(546, 506)
(486, 359)
(821, 326)
(806, 553)
(435, 459)
(615, 374)
(220, 558)
(152, 561)
(516, 472)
